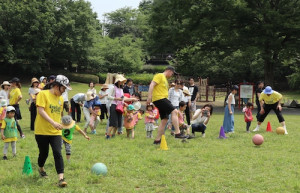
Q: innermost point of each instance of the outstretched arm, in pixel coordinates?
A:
(82, 133)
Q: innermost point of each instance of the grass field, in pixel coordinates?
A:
(202, 165)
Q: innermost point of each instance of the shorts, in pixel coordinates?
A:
(66, 106)
(115, 118)
(165, 107)
(18, 115)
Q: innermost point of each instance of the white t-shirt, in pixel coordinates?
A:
(65, 95)
(175, 96)
(104, 99)
(4, 95)
(93, 90)
(33, 91)
(200, 118)
(233, 99)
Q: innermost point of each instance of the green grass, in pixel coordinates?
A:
(202, 165)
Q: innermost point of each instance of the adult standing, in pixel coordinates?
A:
(88, 110)
(92, 88)
(129, 87)
(270, 100)
(33, 91)
(4, 92)
(15, 96)
(258, 91)
(117, 97)
(77, 101)
(193, 91)
(103, 100)
(158, 94)
(187, 99)
(48, 128)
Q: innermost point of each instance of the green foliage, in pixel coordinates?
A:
(144, 79)
(83, 78)
(123, 54)
(152, 69)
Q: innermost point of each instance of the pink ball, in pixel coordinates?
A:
(258, 139)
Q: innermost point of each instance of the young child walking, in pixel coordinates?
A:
(129, 121)
(228, 122)
(149, 120)
(69, 127)
(97, 110)
(247, 110)
(9, 131)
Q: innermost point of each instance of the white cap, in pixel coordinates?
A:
(10, 108)
(63, 80)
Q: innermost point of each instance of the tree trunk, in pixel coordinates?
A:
(268, 65)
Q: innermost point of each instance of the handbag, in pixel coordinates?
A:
(119, 107)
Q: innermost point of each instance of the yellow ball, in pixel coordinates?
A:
(280, 131)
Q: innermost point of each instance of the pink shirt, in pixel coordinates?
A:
(118, 94)
(248, 112)
(147, 118)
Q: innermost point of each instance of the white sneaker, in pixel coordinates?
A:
(285, 132)
(256, 129)
(203, 135)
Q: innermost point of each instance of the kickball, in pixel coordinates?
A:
(258, 139)
(280, 131)
(99, 169)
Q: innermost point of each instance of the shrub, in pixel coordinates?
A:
(83, 78)
(152, 69)
(143, 79)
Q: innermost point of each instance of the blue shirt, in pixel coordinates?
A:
(90, 103)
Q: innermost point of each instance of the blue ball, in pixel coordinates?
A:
(99, 169)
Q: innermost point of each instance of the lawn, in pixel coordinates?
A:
(202, 165)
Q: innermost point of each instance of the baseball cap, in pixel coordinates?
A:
(172, 69)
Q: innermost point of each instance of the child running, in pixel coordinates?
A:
(128, 121)
(149, 120)
(69, 127)
(9, 131)
(95, 116)
(248, 115)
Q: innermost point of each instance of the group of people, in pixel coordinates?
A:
(266, 100)
(119, 103)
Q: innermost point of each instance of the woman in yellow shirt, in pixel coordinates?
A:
(47, 125)
(270, 99)
(15, 96)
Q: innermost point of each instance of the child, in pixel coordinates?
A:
(97, 110)
(156, 113)
(9, 131)
(128, 120)
(149, 120)
(43, 81)
(248, 115)
(228, 123)
(69, 127)
(3, 104)
(137, 115)
(184, 128)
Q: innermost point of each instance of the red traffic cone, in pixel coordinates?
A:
(269, 128)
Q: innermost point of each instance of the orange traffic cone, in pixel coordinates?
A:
(163, 143)
(269, 128)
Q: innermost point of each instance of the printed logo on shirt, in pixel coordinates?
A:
(55, 109)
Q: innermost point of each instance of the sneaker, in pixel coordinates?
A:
(43, 174)
(256, 129)
(62, 183)
(157, 142)
(180, 136)
(172, 133)
(4, 158)
(286, 132)
(107, 137)
(27, 101)
(203, 135)
(190, 137)
(23, 136)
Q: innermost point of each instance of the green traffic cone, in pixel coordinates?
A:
(27, 169)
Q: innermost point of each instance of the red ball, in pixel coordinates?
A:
(258, 139)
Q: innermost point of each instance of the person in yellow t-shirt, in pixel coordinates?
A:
(15, 97)
(47, 125)
(270, 100)
(158, 94)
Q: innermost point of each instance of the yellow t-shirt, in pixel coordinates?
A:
(160, 91)
(14, 95)
(272, 99)
(53, 106)
(9, 139)
(41, 85)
